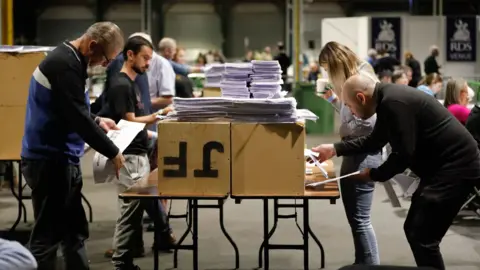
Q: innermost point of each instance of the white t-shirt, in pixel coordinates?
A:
(161, 77)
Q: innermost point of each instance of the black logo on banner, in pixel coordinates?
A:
(385, 34)
(461, 39)
(181, 161)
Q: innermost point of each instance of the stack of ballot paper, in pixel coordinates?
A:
(235, 80)
(281, 110)
(266, 79)
(213, 75)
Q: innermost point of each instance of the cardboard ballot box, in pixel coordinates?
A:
(16, 68)
(212, 92)
(216, 158)
(267, 159)
(194, 158)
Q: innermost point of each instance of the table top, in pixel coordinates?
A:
(147, 188)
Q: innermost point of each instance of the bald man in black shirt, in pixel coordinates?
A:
(424, 137)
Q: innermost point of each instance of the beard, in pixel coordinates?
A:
(138, 70)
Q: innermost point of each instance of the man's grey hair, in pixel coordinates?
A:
(167, 43)
(142, 35)
(433, 48)
(107, 34)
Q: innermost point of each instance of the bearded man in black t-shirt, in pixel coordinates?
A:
(124, 102)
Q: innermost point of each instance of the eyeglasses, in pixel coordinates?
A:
(107, 60)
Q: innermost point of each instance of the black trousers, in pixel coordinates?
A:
(59, 215)
(433, 209)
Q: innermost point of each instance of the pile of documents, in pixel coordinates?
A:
(213, 75)
(281, 110)
(266, 80)
(235, 80)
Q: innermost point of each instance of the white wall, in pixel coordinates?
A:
(352, 32)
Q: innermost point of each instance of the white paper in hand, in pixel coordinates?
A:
(313, 156)
(103, 168)
(332, 180)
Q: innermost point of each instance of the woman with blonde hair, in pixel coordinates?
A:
(340, 63)
(457, 98)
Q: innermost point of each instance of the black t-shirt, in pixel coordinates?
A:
(123, 96)
(183, 87)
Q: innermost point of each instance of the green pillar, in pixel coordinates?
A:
(224, 9)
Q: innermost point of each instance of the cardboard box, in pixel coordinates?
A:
(267, 159)
(12, 121)
(212, 92)
(16, 70)
(193, 158)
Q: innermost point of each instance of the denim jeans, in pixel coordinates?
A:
(357, 199)
(59, 215)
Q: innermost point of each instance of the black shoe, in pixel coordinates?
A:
(137, 253)
(167, 242)
(133, 267)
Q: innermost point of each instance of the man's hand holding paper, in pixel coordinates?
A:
(325, 152)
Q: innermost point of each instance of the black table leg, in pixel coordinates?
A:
(90, 209)
(270, 233)
(306, 227)
(266, 247)
(322, 251)
(156, 233)
(229, 238)
(182, 238)
(17, 196)
(195, 233)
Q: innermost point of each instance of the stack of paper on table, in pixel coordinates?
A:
(235, 80)
(266, 79)
(213, 75)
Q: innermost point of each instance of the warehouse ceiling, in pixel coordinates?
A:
(423, 7)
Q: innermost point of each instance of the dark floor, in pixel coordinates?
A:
(461, 246)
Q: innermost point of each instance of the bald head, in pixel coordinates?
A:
(357, 94)
(359, 83)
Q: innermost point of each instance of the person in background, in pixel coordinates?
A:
(183, 84)
(167, 48)
(408, 72)
(385, 62)
(201, 60)
(415, 67)
(424, 137)
(431, 84)
(267, 54)
(372, 57)
(340, 63)
(248, 56)
(284, 60)
(456, 99)
(218, 57)
(399, 77)
(313, 73)
(57, 125)
(14, 256)
(385, 76)
(430, 64)
(179, 56)
(124, 102)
